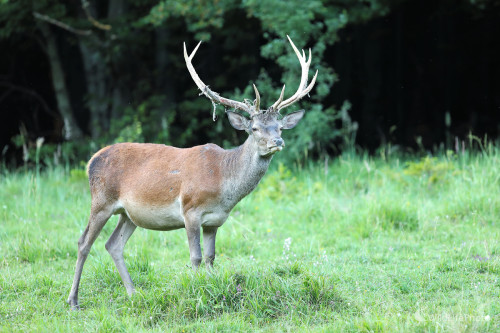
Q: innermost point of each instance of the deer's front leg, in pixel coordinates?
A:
(193, 234)
(209, 245)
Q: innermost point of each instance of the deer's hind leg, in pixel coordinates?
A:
(115, 246)
(98, 218)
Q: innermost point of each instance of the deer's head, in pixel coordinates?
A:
(264, 126)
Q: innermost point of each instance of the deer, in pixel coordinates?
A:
(160, 187)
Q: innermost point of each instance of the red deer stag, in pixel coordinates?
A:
(159, 187)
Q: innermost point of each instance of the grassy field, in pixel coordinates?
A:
(365, 244)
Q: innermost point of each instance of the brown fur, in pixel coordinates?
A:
(156, 174)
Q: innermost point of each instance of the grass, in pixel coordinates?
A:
(364, 245)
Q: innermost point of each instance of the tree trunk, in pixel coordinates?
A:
(105, 95)
(163, 83)
(71, 130)
(95, 74)
(117, 9)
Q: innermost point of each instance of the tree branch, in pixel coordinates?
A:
(95, 23)
(61, 24)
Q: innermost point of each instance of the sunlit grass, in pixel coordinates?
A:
(363, 245)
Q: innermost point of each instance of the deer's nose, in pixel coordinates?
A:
(279, 142)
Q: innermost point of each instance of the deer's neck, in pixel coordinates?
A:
(244, 168)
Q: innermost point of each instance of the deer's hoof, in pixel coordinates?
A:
(73, 304)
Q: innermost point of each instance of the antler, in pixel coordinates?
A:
(215, 97)
(254, 109)
(303, 87)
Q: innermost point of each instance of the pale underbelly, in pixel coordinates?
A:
(169, 217)
(166, 217)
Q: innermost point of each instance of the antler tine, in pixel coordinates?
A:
(213, 96)
(303, 87)
(275, 105)
(191, 69)
(303, 64)
(302, 94)
(257, 100)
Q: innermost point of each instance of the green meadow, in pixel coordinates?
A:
(354, 244)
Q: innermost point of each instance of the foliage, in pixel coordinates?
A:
(430, 168)
(126, 79)
(279, 184)
(250, 36)
(200, 16)
(147, 123)
(350, 247)
(17, 16)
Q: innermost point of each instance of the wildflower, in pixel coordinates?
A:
(286, 249)
(287, 243)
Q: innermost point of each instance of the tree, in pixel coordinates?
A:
(21, 17)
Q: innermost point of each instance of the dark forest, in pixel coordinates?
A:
(416, 75)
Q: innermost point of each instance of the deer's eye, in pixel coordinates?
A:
(255, 129)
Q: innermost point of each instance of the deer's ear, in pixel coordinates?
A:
(291, 120)
(238, 121)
